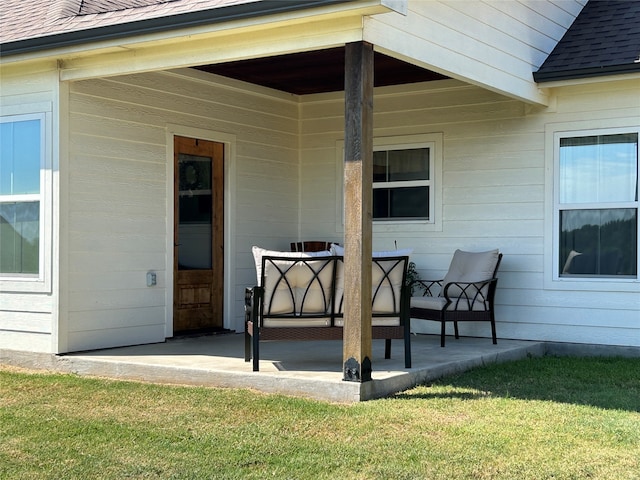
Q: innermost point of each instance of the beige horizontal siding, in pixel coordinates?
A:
(118, 189)
(494, 196)
(494, 44)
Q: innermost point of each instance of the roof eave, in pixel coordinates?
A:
(161, 24)
(574, 74)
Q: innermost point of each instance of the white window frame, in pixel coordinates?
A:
(40, 282)
(553, 278)
(432, 141)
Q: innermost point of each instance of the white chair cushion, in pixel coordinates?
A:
(304, 288)
(295, 287)
(437, 303)
(297, 322)
(258, 253)
(470, 267)
(405, 252)
(292, 286)
(386, 284)
(428, 303)
(375, 321)
(386, 278)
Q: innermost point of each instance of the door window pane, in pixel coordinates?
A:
(599, 242)
(195, 212)
(19, 237)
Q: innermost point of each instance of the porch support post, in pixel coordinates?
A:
(358, 200)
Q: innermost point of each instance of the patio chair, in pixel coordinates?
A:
(299, 296)
(466, 293)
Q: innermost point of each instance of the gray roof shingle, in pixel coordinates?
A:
(603, 40)
(28, 26)
(88, 7)
(22, 20)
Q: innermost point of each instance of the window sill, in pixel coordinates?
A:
(592, 284)
(13, 284)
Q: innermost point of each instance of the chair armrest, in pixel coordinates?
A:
(252, 299)
(470, 294)
(248, 298)
(430, 288)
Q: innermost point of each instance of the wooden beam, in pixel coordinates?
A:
(358, 195)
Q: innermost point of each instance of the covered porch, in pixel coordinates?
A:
(284, 179)
(306, 369)
(273, 94)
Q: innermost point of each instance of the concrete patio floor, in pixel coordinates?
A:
(308, 369)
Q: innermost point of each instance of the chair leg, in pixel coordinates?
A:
(493, 331)
(455, 329)
(442, 333)
(247, 343)
(387, 348)
(407, 347)
(256, 348)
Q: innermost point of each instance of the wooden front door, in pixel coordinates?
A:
(198, 235)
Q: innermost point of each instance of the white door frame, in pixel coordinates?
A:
(229, 142)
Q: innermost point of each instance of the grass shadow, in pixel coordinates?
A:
(603, 382)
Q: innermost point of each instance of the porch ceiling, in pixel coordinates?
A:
(318, 71)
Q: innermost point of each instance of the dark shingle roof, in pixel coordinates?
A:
(24, 20)
(35, 25)
(87, 7)
(603, 40)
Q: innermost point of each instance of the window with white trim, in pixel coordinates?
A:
(402, 183)
(407, 182)
(22, 160)
(596, 204)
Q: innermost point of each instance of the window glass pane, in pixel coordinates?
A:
(19, 237)
(195, 212)
(381, 203)
(20, 157)
(397, 203)
(195, 209)
(380, 166)
(410, 164)
(195, 189)
(599, 168)
(410, 202)
(599, 242)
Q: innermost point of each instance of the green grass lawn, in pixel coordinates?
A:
(545, 418)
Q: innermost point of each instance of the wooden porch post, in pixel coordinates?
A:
(358, 177)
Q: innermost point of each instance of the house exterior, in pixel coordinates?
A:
(526, 116)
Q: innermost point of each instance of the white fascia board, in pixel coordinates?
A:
(214, 48)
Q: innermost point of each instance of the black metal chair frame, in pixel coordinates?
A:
(256, 313)
(472, 294)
